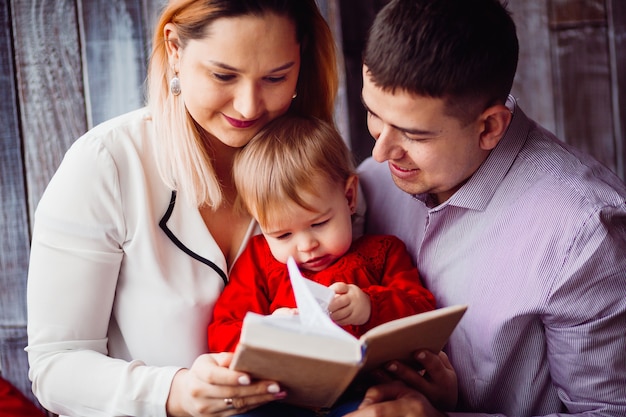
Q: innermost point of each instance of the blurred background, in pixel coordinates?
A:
(67, 65)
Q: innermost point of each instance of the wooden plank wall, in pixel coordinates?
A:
(66, 65)
(14, 227)
(572, 72)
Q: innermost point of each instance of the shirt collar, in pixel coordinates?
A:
(476, 193)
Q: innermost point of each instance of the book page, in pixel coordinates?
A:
(312, 300)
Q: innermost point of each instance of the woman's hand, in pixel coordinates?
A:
(436, 380)
(209, 388)
(350, 306)
(395, 399)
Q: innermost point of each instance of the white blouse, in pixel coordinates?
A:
(123, 278)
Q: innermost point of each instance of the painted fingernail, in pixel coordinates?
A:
(273, 389)
(244, 380)
(392, 367)
(280, 395)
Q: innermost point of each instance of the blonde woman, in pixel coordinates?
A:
(136, 233)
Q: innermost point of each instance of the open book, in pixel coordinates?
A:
(314, 359)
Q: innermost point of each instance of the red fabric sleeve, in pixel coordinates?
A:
(14, 404)
(400, 292)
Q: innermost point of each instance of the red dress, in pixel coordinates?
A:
(379, 265)
(14, 404)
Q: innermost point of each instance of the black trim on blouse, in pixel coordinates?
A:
(181, 246)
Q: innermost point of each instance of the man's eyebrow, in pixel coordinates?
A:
(231, 68)
(401, 129)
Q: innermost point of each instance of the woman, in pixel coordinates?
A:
(136, 233)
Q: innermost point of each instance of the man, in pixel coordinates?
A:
(498, 214)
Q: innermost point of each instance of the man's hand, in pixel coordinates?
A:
(395, 400)
(436, 380)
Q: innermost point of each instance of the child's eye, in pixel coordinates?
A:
(320, 223)
(283, 236)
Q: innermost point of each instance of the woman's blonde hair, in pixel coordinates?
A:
(286, 159)
(183, 160)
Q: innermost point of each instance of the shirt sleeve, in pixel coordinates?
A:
(585, 322)
(75, 259)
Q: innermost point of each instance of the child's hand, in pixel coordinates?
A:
(285, 311)
(350, 305)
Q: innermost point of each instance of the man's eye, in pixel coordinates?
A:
(415, 138)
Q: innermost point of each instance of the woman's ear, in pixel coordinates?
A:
(351, 191)
(495, 121)
(172, 45)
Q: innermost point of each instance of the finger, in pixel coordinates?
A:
(341, 315)
(445, 360)
(239, 405)
(393, 400)
(217, 381)
(434, 368)
(436, 380)
(381, 377)
(382, 392)
(338, 303)
(339, 287)
(222, 359)
(219, 375)
(413, 377)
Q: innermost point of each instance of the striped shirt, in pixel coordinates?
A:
(535, 244)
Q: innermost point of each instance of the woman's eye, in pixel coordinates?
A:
(276, 79)
(223, 77)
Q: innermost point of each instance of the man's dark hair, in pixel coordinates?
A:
(464, 51)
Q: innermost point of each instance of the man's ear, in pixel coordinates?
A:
(495, 120)
(351, 192)
(172, 45)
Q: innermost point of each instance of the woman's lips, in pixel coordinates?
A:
(240, 124)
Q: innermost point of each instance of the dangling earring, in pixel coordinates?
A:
(295, 94)
(175, 85)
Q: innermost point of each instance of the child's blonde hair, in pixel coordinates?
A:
(280, 163)
(183, 161)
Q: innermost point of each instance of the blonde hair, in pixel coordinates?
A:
(279, 164)
(183, 160)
